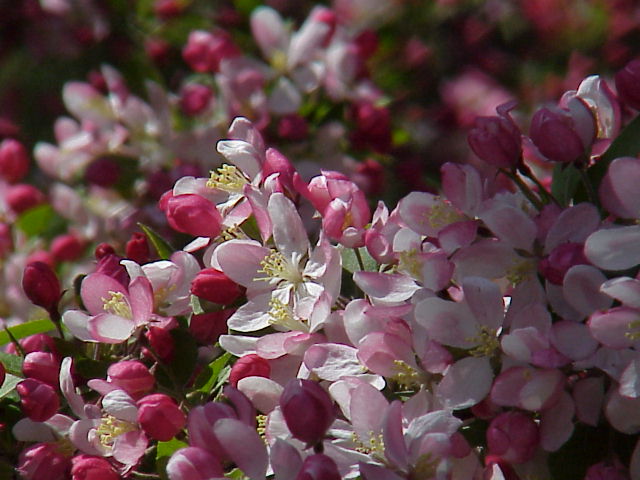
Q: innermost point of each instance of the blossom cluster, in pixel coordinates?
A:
(273, 319)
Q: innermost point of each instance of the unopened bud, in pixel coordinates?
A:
(38, 400)
(555, 134)
(137, 248)
(160, 416)
(23, 197)
(88, 467)
(307, 409)
(205, 50)
(131, 376)
(250, 365)
(41, 286)
(42, 366)
(193, 214)
(318, 467)
(497, 140)
(206, 328)
(67, 248)
(628, 84)
(195, 98)
(193, 463)
(14, 160)
(215, 286)
(43, 461)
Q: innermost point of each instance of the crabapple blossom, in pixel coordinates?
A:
(38, 400)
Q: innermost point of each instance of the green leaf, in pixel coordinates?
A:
(26, 329)
(164, 452)
(41, 220)
(566, 179)
(9, 385)
(196, 306)
(246, 6)
(208, 379)
(350, 260)
(236, 474)
(12, 363)
(163, 247)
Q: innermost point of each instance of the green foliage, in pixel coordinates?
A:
(41, 221)
(164, 452)
(566, 180)
(213, 375)
(351, 263)
(26, 329)
(12, 363)
(9, 385)
(163, 247)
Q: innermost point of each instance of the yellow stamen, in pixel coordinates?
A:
(374, 446)
(110, 427)
(442, 214)
(282, 315)
(520, 271)
(276, 266)
(228, 178)
(117, 304)
(488, 343)
(408, 263)
(407, 377)
(425, 467)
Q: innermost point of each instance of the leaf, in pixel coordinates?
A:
(26, 329)
(163, 247)
(12, 363)
(566, 179)
(350, 260)
(209, 377)
(196, 306)
(9, 385)
(41, 220)
(185, 356)
(236, 474)
(164, 452)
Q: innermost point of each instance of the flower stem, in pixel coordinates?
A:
(524, 188)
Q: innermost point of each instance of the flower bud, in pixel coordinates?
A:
(497, 140)
(206, 328)
(554, 134)
(167, 9)
(38, 400)
(193, 214)
(131, 376)
(102, 250)
(161, 342)
(373, 127)
(293, 127)
(160, 417)
(40, 342)
(607, 470)
(42, 366)
(6, 240)
(215, 286)
(41, 286)
(195, 98)
(628, 84)
(513, 436)
(318, 467)
(43, 461)
(560, 260)
(88, 467)
(103, 172)
(307, 409)
(205, 50)
(67, 248)
(3, 373)
(110, 265)
(137, 248)
(193, 463)
(250, 365)
(14, 160)
(23, 197)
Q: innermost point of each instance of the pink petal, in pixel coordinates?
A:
(623, 413)
(285, 460)
(556, 424)
(624, 289)
(108, 328)
(509, 224)
(240, 261)
(446, 322)
(141, 300)
(332, 361)
(96, 289)
(264, 393)
(129, 447)
(387, 287)
(243, 445)
(574, 224)
(619, 189)
(581, 288)
(484, 300)
(630, 380)
(573, 339)
(612, 326)
(614, 248)
(465, 383)
(588, 395)
(395, 448)
(289, 233)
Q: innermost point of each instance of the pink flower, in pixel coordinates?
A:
(497, 140)
(213, 285)
(307, 409)
(43, 461)
(627, 84)
(513, 436)
(249, 366)
(42, 287)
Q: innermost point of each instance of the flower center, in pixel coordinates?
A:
(110, 427)
(520, 270)
(408, 262)
(425, 467)
(488, 343)
(373, 446)
(117, 304)
(227, 178)
(442, 214)
(282, 316)
(407, 377)
(276, 266)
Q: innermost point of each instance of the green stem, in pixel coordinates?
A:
(525, 170)
(524, 188)
(15, 342)
(591, 193)
(359, 257)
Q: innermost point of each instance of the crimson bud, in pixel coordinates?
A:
(41, 286)
(38, 400)
(160, 417)
(307, 409)
(215, 286)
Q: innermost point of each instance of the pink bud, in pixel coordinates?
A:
(41, 286)
(43, 461)
(102, 250)
(103, 171)
(193, 463)
(497, 140)
(137, 248)
(6, 240)
(40, 342)
(160, 417)
(42, 366)
(14, 160)
(607, 470)
(110, 265)
(513, 436)
(67, 247)
(554, 134)
(3, 373)
(318, 467)
(276, 162)
(215, 286)
(560, 260)
(23, 197)
(628, 84)
(41, 256)
(87, 467)
(38, 400)
(131, 376)
(193, 214)
(207, 327)
(293, 127)
(373, 127)
(250, 365)
(167, 9)
(195, 98)
(205, 50)
(161, 342)
(307, 410)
